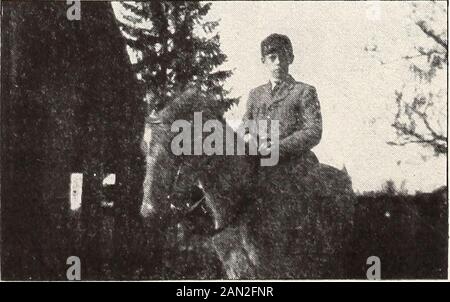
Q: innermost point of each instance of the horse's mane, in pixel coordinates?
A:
(190, 100)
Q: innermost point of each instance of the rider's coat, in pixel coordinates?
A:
(296, 106)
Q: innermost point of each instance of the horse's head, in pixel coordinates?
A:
(172, 183)
(170, 178)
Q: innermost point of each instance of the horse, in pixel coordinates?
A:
(231, 196)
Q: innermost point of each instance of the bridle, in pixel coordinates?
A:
(187, 208)
(170, 197)
(179, 209)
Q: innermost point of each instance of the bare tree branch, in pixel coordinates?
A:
(408, 133)
(425, 141)
(438, 148)
(414, 121)
(424, 117)
(430, 33)
(422, 53)
(410, 136)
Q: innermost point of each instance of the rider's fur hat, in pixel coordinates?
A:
(276, 43)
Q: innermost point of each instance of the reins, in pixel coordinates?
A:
(178, 212)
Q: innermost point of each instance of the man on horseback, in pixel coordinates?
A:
(280, 214)
(257, 232)
(293, 103)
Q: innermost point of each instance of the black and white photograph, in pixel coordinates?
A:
(224, 140)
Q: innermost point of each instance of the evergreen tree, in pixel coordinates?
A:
(173, 46)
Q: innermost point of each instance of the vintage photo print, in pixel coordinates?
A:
(224, 140)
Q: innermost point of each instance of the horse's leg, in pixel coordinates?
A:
(155, 208)
(232, 198)
(222, 189)
(237, 252)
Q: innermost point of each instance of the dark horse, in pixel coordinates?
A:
(233, 198)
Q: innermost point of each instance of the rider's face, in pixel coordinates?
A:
(277, 65)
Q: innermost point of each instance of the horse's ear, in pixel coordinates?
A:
(216, 105)
(344, 169)
(178, 106)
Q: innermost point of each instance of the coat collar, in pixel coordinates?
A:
(286, 86)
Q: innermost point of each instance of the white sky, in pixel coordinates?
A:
(356, 93)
